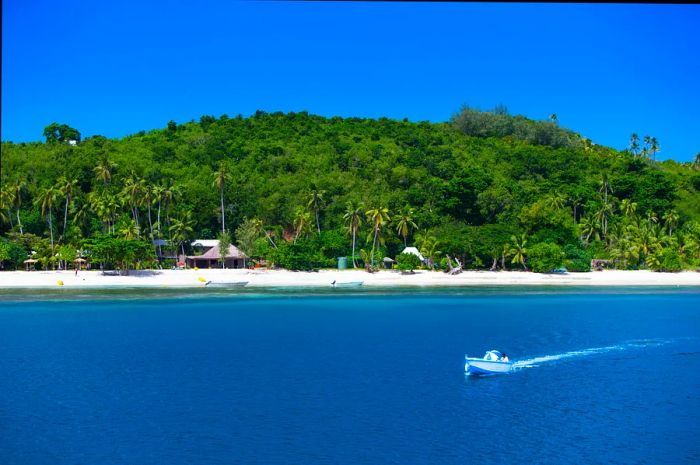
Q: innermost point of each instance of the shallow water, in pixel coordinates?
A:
(354, 377)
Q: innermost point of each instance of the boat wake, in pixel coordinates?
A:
(634, 344)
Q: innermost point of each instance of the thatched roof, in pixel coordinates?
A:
(213, 253)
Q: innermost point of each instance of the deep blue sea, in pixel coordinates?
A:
(604, 377)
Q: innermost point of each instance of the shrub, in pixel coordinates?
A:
(576, 259)
(665, 260)
(544, 257)
(12, 255)
(407, 262)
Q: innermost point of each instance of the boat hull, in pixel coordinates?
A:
(478, 366)
(226, 284)
(348, 284)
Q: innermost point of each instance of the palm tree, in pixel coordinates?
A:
(147, 198)
(6, 200)
(314, 204)
(603, 215)
(301, 222)
(519, 250)
(404, 222)
(654, 148)
(157, 194)
(170, 193)
(671, 220)
(647, 145)
(378, 217)
(181, 229)
(46, 200)
(553, 118)
(130, 230)
(132, 194)
(628, 208)
(505, 254)
(652, 218)
(66, 187)
(576, 201)
(220, 178)
(556, 201)
(634, 144)
(353, 219)
(103, 170)
(588, 226)
(428, 247)
(259, 226)
(80, 214)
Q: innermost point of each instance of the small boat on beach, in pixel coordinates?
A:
(232, 284)
(493, 362)
(347, 283)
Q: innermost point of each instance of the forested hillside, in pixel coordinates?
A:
(492, 189)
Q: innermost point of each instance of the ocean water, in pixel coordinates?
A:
(350, 378)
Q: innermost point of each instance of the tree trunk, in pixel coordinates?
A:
(354, 264)
(160, 250)
(150, 223)
(65, 215)
(19, 222)
(494, 265)
(51, 230)
(223, 215)
(318, 225)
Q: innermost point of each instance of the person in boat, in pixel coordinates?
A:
(504, 358)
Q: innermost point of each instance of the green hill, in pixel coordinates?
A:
(471, 186)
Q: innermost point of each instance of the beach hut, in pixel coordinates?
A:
(210, 259)
(388, 263)
(29, 263)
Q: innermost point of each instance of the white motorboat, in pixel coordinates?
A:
(492, 363)
(226, 283)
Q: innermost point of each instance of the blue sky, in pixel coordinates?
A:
(115, 68)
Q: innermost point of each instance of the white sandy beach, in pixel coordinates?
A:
(323, 278)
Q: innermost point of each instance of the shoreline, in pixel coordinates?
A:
(262, 279)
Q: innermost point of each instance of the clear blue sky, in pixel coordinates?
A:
(115, 68)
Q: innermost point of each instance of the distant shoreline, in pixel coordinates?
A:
(322, 279)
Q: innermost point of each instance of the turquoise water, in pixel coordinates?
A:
(349, 378)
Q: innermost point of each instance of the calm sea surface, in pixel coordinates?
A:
(359, 378)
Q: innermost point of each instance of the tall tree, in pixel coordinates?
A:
(378, 217)
(671, 220)
(315, 200)
(654, 148)
(404, 222)
(181, 229)
(66, 186)
(634, 144)
(646, 149)
(220, 177)
(46, 200)
(353, 221)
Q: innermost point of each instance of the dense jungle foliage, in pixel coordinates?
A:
(298, 190)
